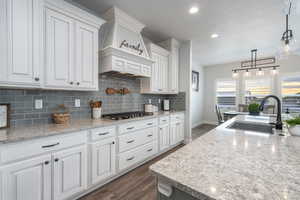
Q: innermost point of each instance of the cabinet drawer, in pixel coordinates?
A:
(177, 117)
(134, 126)
(22, 150)
(137, 138)
(101, 133)
(164, 120)
(129, 158)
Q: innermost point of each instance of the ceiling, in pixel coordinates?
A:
(241, 24)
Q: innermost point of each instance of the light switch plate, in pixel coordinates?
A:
(38, 104)
(77, 103)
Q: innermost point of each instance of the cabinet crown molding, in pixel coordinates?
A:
(74, 11)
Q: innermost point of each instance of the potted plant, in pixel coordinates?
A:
(253, 109)
(294, 126)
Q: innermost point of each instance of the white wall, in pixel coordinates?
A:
(223, 71)
(197, 99)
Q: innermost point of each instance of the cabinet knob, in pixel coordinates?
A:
(71, 83)
(113, 142)
(47, 162)
(78, 83)
(56, 159)
(37, 79)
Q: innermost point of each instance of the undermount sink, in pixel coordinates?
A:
(252, 126)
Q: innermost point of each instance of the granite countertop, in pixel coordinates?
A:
(31, 132)
(227, 164)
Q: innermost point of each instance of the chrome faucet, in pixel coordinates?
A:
(278, 124)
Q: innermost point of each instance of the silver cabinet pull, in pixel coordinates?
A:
(150, 135)
(51, 145)
(37, 79)
(113, 142)
(78, 83)
(131, 158)
(71, 83)
(47, 162)
(130, 141)
(130, 128)
(101, 134)
(149, 124)
(56, 159)
(149, 150)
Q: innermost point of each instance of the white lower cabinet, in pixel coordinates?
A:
(176, 132)
(69, 172)
(103, 160)
(27, 180)
(164, 137)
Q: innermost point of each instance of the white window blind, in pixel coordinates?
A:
(226, 94)
(258, 87)
(290, 90)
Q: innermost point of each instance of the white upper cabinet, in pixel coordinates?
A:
(158, 83)
(173, 80)
(60, 58)
(87, 56)
(71, 47)
(49, 44)
(20, 39)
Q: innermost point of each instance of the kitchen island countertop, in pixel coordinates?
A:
(228, 164)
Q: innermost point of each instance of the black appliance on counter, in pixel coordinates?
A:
(125, 115)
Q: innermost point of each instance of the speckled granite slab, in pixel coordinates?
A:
(228, 164)
(25, 133)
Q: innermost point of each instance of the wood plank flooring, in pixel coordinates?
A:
(138, 184)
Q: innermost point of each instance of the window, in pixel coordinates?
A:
(256, 89)
(226, 94)
(290, 90)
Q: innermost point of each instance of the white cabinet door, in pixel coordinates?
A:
(164, 73)
(69, 172)
(164, 137)
(180, 128)
(173, 134)
(27, 180)
(174, 70)
(103, 159)
(22, 42)
(60, 50)
(87, 56)
(155, 80)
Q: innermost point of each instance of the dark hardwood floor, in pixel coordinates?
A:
(138, 184)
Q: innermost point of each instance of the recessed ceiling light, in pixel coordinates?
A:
(214, 35)
(194, 10)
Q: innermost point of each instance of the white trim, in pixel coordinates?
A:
(74, 12)
(210, 122)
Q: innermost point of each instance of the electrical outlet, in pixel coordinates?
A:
(38, 104)
(77, 103)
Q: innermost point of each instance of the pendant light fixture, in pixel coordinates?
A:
(288, 36)
(256, 65)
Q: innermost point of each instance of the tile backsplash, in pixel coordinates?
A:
(23, 111)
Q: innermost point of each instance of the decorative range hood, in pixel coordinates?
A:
(122, 49)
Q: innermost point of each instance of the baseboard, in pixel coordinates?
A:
(210, 122)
